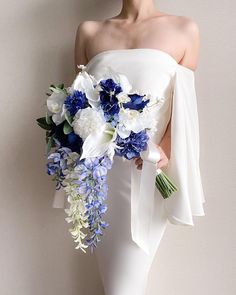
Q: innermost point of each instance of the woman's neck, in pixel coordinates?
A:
(134, 10)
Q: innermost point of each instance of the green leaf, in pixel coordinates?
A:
(67, 128)
(57, 89)
(61, 86)
(69, 118)
(49, 144)
(48, 119)
(42, 120)
(45, 127)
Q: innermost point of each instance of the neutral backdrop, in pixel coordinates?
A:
(37, 254)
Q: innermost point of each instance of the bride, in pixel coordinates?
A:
(158, 52)
(141, 25)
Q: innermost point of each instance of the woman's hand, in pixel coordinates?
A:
(161, 163)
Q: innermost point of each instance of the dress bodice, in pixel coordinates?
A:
(150, 71)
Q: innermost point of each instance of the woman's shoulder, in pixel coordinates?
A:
(88, 27)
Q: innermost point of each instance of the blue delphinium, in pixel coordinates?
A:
(136, 103)
(132, 145)
(76, 101)
(109, 101)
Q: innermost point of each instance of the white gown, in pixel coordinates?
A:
(126, 251)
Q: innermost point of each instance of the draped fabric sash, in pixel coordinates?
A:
(142, 196)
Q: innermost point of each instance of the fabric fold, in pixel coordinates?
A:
(142, 196)
(183, 167)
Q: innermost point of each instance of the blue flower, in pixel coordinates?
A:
(52, 168)
(109, 101)
(136, 103)
(74, 142)
(57, 162)
(92, 183)
(71, 140)
(132, 145)
(76, 101)
(99, 172)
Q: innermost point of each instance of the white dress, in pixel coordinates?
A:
(127, 248)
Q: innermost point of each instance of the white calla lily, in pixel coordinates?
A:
(100, 142)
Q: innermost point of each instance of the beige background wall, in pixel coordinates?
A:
(36, 251)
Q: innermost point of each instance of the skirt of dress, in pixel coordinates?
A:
(123, 265)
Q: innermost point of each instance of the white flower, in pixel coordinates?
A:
(55, 105)
(118, 78)
(133, 120)
(123, 97)
(85, 83)
(88, 120)
(100, 142)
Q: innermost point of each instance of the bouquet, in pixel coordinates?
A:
(86, 125)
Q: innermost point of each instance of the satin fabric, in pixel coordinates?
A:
(123, 259)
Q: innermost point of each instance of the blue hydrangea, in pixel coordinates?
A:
(109, 101)
(76, 101)
(136, 103)
(132, 145)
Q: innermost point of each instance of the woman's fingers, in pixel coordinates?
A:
(138, 161)
(161, 163)
(139, 167)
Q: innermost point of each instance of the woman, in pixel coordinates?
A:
(141, 25)
(158, 53)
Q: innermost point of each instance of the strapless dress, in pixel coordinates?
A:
(124, 255)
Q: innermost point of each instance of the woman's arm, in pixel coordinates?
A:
(79, 48)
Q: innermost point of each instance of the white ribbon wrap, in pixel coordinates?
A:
(142, 195)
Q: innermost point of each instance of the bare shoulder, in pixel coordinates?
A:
(191, 38)
(189, 26)
(87, 29)
(84, 33)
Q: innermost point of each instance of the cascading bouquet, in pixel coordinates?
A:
(86, 125)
